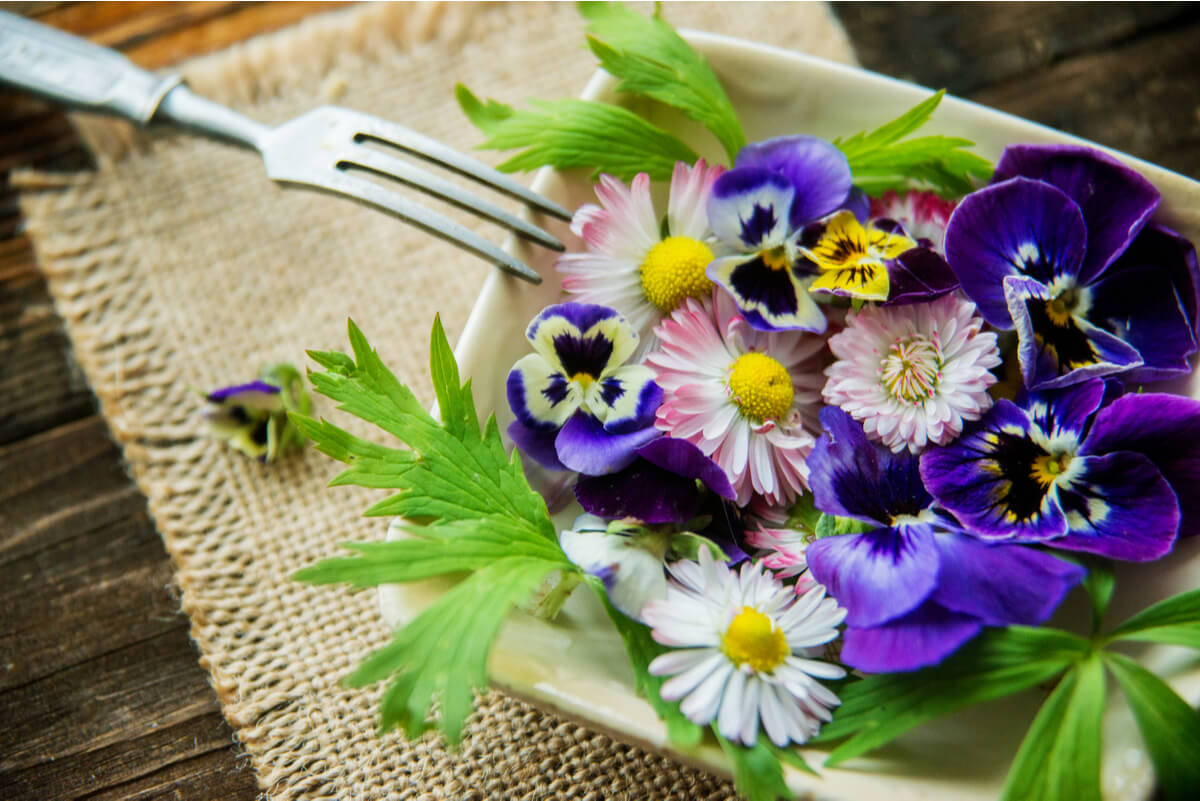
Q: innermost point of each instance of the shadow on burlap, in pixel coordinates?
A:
(178, 266)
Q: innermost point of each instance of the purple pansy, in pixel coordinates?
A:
(660, 486)
(1060, 248)
(759, 209)
(1076, 469)
(578, 405)
(916, 586)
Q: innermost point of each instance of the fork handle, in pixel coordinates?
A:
(72, 71)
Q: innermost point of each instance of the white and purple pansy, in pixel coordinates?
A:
(916, 586)
(578, 405)
(1076, 469)
(1060, 248)
(759, 209)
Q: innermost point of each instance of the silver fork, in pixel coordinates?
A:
(329, 148)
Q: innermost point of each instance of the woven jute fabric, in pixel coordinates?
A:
(177, 266)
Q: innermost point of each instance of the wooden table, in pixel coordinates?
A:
(101, 693)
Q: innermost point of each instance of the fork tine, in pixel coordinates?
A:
(432, 150)
(411, 175)
(348, 185)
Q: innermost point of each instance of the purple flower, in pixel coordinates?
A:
(578, 405)
(1060, 248)
(759, 210)
(253, 417)
(916, 586)
(1076, 469)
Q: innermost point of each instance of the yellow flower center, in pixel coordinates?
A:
(584, 380)
(911, 369)
(674, 270)
(761, 387)
(776, 259)
(1048, 467)
(752, 639)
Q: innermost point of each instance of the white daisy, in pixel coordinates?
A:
(745, 641)
(631, 264)
(913, 374)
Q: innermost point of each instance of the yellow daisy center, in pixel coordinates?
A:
(752, 639)
(911, 369)
(674, 270)
(761, 387)
(1048, 467)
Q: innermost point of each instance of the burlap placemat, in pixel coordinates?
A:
(178, 266)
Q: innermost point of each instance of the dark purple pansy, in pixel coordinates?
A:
(660, 486)
(1060, 248)
(916, 587)
(578, 405)
(1076, 469)
(759, 210)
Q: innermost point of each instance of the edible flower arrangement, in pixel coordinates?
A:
(844, 423)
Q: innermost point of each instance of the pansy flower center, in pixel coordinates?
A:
(911, 369)
(752, 639)
(584, 380)
(760, 387)
(1049, 467)
(674, 269)
(776, 259)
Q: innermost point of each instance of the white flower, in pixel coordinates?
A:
(633, 574)
(913, 374)
(745, 641)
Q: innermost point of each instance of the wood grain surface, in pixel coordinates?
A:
(101, 692)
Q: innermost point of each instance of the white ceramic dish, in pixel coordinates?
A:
(577, 667)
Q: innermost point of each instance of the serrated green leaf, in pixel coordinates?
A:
(1175, 621)
(1060, 755)
(642, 649)
(998, 662)
(443, 652)
(576, 133)
(1170, 727)
(757, 773)
(651, 60)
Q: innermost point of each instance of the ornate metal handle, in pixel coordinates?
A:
(68, 70)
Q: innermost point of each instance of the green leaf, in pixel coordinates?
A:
(883, 159)
(1175, 621)
(833, 526)
(443, 652)
(1170, 727)
(998, 662)
(642, 649)
(576, 133)
(651, 60)
(757, 772)
(1099, 584)
(1060, 755)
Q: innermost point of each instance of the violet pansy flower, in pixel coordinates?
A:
(1060, 248)
(252, 418)
(759, 209)
(1075, 469)
(578, 405)
(916, 586)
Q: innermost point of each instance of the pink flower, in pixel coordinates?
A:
(748, 399)
(923, 214)
(783, 551)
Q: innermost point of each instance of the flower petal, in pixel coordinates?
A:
(683, 458)
(625, 399)
(539, 395)
(818, 171)
(748, 208)
(917, 275)
(632, 576)
(769, 299)
(921, 638)
(536, 443)
(1019, 227)
(642, 491)
(584, 446)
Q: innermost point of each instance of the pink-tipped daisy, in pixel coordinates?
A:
(747, 398)
(782, 551)
(746, 644)
(630, 264)
(913, 374)
(923, 214)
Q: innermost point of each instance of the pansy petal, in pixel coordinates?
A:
(876, 576)
(581, 337)
(1019, 227)
(1063, 415)
(748, 208)
(253, 395)
(642, 491)
(769, 299)
(539, 395)
(921, 638)
(684, 459)
(844, 472)
(632, 576)
(1060, 349)
(1165, 429)
(918, 275)
(1121, 507)
(625, 399)
(984, 478)
(585, 447)
(536, 443)
(1001, 584)
(1115, 200)
(1148, 297)
(817, 170)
